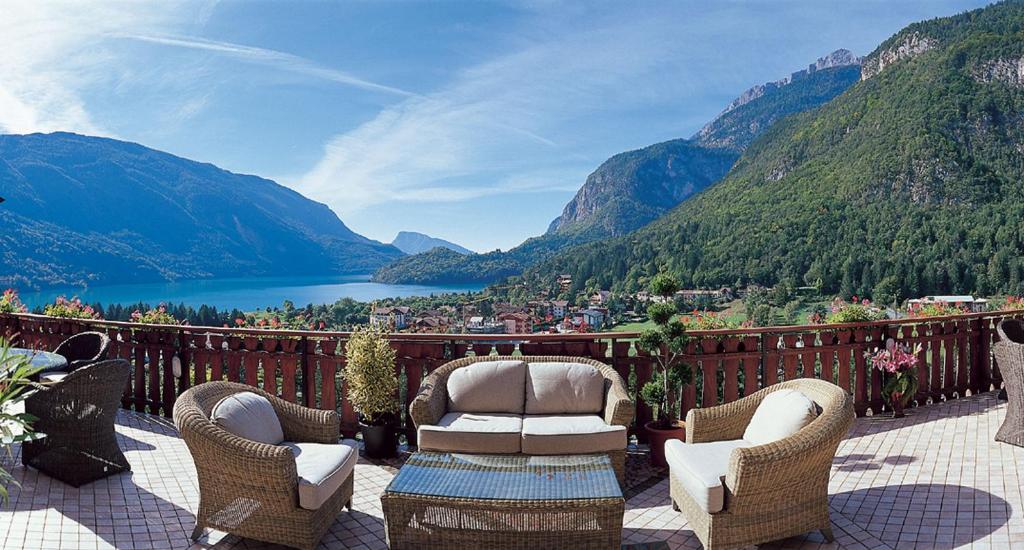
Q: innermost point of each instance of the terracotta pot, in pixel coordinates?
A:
(656, 438)
(897, 407)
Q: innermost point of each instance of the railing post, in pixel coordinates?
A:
(308, 376)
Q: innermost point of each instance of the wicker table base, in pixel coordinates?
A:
(504, 502)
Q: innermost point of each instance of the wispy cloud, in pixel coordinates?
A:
(494, 122)
(273, 58)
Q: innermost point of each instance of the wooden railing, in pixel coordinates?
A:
(304, 366)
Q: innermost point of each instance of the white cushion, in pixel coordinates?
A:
(781, 414)
(571, 434)
(564, 388)
(322, 469)
(488, 387)
(473, 433)
(248, 416)
(53, 376)
(701, 467)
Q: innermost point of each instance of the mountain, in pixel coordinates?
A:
(411, 242)
(83, 209)
(632, 189)
(911, 182)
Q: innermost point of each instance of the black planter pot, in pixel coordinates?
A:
(379, 441)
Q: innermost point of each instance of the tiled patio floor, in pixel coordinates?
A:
(935, 479)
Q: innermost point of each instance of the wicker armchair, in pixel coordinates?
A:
(83, 349)
(77, 415)
(1009, 352)
(430, 405)
(776, 490)
(250, 489)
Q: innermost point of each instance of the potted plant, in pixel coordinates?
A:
(15, 373)
(372, 386)
(666, 343)
(899, 366)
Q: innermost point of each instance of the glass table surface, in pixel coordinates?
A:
(507, 477)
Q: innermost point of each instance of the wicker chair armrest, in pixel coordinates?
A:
(618, 407)
(235, 464)
(431, 402)
(722, 422)
(790, 462)
(306, 425)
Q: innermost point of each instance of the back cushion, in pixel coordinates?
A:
(781, 414)
(564, 388)
(488, 386)
(248, 416)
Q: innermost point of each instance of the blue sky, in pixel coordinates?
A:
(471, 121)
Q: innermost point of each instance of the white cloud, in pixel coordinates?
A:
(272, 58)
(499, 119)
(52, 51)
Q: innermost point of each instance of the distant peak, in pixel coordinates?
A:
(839, 58)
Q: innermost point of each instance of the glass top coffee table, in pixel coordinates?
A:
(504, 501)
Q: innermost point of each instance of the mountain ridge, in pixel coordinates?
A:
(412, 242)
(92, 210)
(909, 183)
(631, 189)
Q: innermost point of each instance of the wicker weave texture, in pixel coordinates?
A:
(250, 489)
(776, 490)
(83, 349)
(430, 521)
(1009, 352)
(77, 415)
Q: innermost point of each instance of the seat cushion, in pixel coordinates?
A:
(248, 416)
(488, 387)
(53, 376)
(564, 388)
(473, 433)
(570, 434)
(700, 468)
(322, 469)
(781, 414)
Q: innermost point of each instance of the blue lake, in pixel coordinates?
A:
(245, 294)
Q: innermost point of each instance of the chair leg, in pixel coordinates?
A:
(674, 505)
(827, 533)
(197, 532)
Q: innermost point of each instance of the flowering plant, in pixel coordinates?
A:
(10, 303)
(158, 316)
(899, 363)
(1012, 302)
(706, 320)
(935, 309)
(854, 311)
(70, 309)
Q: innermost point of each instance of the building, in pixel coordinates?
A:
(600, 297)
(559, 308)
(593, 317)
(972, 304)
(516, 323)
(565, 282)
(393, 317)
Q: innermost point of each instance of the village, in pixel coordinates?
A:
(604, 310)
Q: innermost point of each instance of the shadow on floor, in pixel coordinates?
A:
(129, 511)
(862, 462)
(932, 515)
(915, 416)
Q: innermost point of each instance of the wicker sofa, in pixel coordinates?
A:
(765, 492)
(288, 493)
(535, 406)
